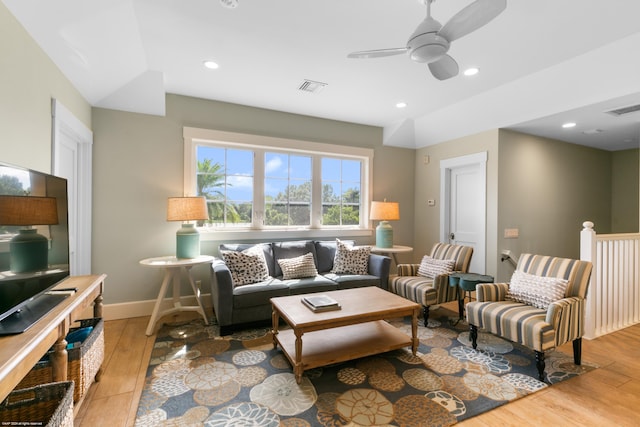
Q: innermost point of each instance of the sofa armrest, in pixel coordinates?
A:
(407, 269)
(221, 292)
(491, 291)
(566, 316)
(379, 266)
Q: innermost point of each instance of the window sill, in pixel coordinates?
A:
(288, 234)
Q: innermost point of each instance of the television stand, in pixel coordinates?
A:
(20, 352)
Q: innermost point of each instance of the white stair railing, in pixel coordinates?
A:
(613, 300)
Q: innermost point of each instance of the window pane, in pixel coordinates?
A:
(225, 178)
(287, 189)
(341, 192)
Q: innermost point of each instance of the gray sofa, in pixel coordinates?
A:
(250, 303)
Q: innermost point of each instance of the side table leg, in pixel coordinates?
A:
(196, 292)
(168, 274)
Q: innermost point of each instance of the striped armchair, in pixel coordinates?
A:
(536, 328)
(427, 291)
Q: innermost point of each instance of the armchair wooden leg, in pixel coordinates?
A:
(473, 335)
(540, 364)
(425, 312)
(577, 351)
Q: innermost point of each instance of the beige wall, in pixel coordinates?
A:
(624, 191)
(28, 82)
(427, 218)
(547, 190)
(138, 163)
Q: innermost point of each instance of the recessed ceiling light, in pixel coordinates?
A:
(569, 125)
(471, 71)
(211, 65)
(401, 105)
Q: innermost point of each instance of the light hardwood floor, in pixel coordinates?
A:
(607, 396)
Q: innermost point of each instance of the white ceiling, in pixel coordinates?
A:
(541, 62)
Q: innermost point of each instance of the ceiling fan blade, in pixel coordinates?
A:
(472, 17)
(444, 68)
(379, 53)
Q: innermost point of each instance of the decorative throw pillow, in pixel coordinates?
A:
(432, 267)
(351, 260)
(538, 291)
(248, 266)
(298, 267)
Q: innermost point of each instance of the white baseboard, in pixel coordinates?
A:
(127, 310)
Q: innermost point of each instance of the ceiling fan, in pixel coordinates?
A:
(430, 42)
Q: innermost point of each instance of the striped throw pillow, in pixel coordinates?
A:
(298, 267)
(538, 291)
(432, 267)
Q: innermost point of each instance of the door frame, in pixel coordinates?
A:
(446, 165)
(66, 126)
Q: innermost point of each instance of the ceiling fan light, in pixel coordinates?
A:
(428, 53)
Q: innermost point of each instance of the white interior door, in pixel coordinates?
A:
(71, 158)
(463, 208)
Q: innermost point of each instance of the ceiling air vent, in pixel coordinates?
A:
(624, 110)
(311, 86)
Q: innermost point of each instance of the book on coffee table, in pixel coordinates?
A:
(319, 303)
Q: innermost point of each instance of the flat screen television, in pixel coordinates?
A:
(28, 271)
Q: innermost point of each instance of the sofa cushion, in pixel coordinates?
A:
(298, 267)
(284, 250)
(351, 260)
(431, 267)
(538, 291)
(257, 294)
(348, 281)
(247, 266)
(310, 284)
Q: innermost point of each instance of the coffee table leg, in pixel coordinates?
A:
(414, 332)
(297, 369)
(275, 319)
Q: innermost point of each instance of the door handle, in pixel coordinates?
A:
(452, 236)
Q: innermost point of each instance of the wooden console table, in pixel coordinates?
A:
(19, 353)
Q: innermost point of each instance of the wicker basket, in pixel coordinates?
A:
(84, 362)
(48, 405)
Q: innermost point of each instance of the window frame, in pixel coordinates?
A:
(194, 136)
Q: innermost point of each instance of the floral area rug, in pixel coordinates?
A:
(197, 378)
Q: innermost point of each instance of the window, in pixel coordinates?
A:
(255, 183)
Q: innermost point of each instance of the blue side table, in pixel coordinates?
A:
(466, 283)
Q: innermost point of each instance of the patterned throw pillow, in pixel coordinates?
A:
(431, 267)
(351, 260)
(298, 267)
(537, 291)
(248, 266)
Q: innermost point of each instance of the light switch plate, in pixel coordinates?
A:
(511, 233)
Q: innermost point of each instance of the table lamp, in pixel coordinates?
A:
(187, 237)
(384, 212)
(28, 250)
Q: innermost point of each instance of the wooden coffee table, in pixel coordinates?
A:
(357, 330)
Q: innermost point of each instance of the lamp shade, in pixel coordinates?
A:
(187, 209)
(385, 211)
(28, 210)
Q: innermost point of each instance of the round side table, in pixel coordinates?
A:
(465, 284)
(172, 267)
(396, 249)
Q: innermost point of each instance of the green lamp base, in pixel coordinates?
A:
(384, 235)
(188, 242)
(28, 251)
